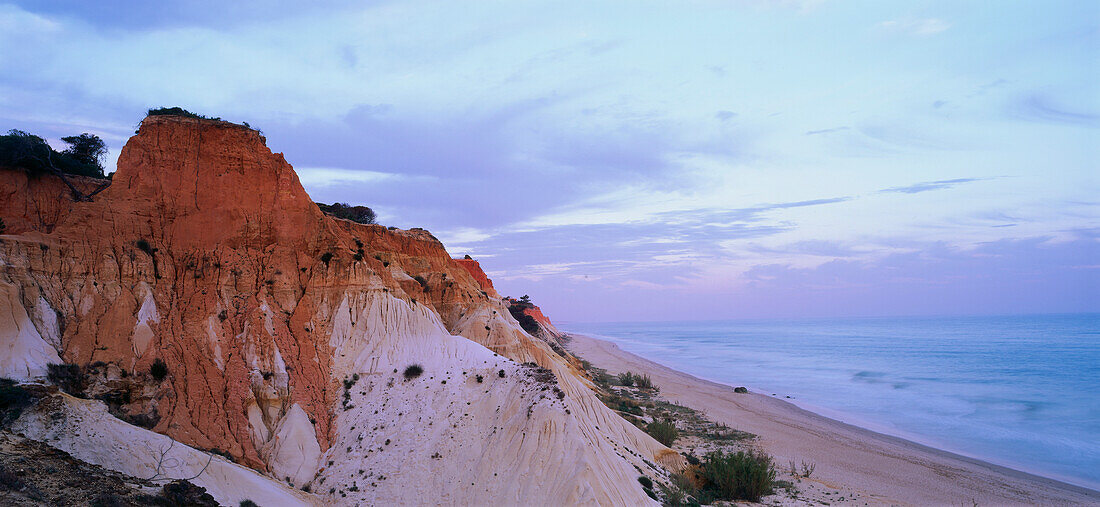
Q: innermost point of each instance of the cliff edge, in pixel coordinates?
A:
(206, 297)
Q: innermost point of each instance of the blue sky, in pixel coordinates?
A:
(643, 160)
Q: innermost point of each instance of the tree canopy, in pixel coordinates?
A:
(87, 149)
(21, 150)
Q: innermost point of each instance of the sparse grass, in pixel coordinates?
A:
(679, 491)
(413, 371)
(805, 472)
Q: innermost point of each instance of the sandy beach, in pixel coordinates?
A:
(853, 463)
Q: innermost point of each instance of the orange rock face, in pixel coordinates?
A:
(474, 268)
(207, 254)
(536, 314)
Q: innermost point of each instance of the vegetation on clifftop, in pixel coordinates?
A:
(183, 113)
(518, 310)
(359, 214)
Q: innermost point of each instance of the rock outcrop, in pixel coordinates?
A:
(473, 267)
(285, 334)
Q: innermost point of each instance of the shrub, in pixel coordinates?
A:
(423, 283)
(741, 390)
(326, 258)
(646, 482)
(158, 370)
(359, 214)
(413, 371)
(144, 246)
(248, 503)
(626, 378)
(67, 377)
(183, 492)
(13, 399)
(9, 481)
(643, 381)
(663, 431)
(740, 475)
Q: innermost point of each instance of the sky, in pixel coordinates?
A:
(643, 160)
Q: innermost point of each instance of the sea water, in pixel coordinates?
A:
(1019, 391)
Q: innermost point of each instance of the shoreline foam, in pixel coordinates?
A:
(882, 467)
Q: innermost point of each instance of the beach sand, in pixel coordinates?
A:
(850, 461)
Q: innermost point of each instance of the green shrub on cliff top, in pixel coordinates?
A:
(177, 111)
(358, 214)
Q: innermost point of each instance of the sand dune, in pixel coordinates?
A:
(876, 468)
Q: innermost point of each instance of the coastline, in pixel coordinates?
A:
(877, 467)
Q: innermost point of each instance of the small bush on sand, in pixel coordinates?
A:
(626, 378)
(413, 371)
(740, 475)
(663, 431)
(643, 381)
(248, 503)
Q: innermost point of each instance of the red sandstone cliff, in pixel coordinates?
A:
(474, 269)
(206, 253)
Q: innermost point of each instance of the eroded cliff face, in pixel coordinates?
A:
(286, 333)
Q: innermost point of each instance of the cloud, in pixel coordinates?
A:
(825, 131)
(817, 248)
(661, 248)
(1013, 275)
(142, 15)
(912, 26)
(929, 185)
(1041, 108)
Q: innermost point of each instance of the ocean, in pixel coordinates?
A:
(1018, 391)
